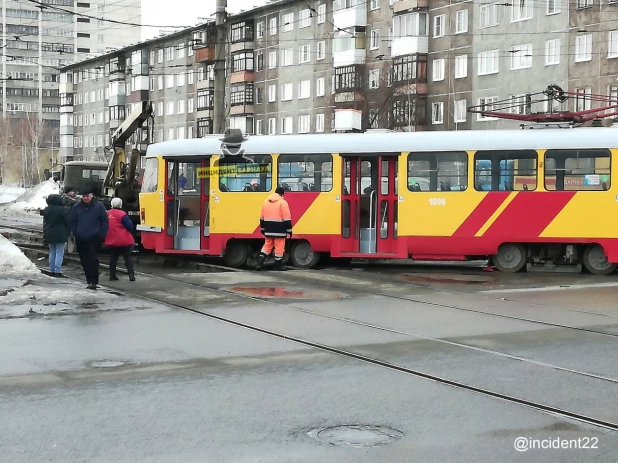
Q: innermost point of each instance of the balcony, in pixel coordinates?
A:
(410, 45)
(409, 5)
(205, 54)
(240, 46)
(350, 17)
(66, 88)
(349, 57)
(348, 119)
(242, 109)
(242, 76)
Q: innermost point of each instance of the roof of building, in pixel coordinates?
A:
(369, 143)
(136, 46)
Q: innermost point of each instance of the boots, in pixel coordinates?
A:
(260, 262)
(131, 277)
(279, 265)
(112, 276)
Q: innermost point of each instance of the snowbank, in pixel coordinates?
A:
(13, 262)
(34, 198)
(10, 193)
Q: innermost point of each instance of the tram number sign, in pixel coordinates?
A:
(437, 201)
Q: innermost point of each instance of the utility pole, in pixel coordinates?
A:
(39, 129)
(4, 58)
(219, 120)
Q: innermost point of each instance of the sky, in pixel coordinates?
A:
(185, 12)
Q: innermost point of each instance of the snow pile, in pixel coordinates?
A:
(10, 193)
(34, 199)
(13, 262)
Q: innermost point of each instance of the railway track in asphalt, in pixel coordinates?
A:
(549, 409)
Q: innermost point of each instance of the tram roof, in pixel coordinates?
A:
(362, 143)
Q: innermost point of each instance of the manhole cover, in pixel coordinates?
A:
(108, 363)
(289, 293)
(357, 435)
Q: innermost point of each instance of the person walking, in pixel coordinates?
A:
(56, 232)
(182, 183)
(276, 225)
(119, 239)
(89, 225)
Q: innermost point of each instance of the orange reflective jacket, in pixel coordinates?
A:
(275, 220)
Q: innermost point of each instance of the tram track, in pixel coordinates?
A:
(555, 411)
(552, 410)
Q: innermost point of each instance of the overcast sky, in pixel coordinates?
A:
(184, 12)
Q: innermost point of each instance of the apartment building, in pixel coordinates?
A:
(68, 32)
(319, 66)
(173, 72)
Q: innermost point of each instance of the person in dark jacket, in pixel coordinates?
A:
(119, 239)
(89, 225)
(56, 231)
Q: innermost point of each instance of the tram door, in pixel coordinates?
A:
(369, 205)
(186, 206)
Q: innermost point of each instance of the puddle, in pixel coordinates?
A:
(357, 435)
(281, 292)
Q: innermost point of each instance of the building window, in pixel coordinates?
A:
(584, 3)
(272, 26)
(489, 15)
(460, 111)
(521, 10)
(553, 6)
(583, 48)
(521, 56)
(410, 25)
(321, 52)
(321, 13)
(304, 54)
(242, 61)
(347, 78)
(242, 31)
(612, 45)
(375, 39)
(205, 99)
(259, 127)
(461, 66)
(169, 53)
(522, 104)
(241, 94)
(259, 95)
(438, 70)
(319, 122)
(319, 86)
(437, 110)
(180, 80)
(204, 127)
(304, 18)
(461, 21)
(286, 92)
(552, 52)
(260, 29)
(573, 170)
(286, 125)
(272, 126)
(410, 67)
(488, 62)
(374, 78)
(438, 26)
(287, 57)
(181, 107)
(304, 89)
(272, 93)
(304, 123)
(288, 22)
(486, 104)
(375, 4)
(582, 100)
(190, 105)
(272, 59)
(170, 108)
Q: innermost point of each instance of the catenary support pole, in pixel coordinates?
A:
(220, 48)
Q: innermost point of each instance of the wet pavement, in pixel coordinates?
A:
(112, 377)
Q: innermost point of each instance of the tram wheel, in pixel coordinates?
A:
(596, 262)
(511, 257)
(303, 256)
(236, 254)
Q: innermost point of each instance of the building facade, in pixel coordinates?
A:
(317, 66)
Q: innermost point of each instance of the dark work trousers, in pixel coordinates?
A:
(117, 251)
(88, 256)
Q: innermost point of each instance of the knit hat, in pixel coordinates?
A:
(86, 190)
(117, 203)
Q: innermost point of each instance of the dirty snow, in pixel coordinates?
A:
(33, 199)
(13, 263)
(10, 193)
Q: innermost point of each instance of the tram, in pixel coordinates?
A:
(520, 198)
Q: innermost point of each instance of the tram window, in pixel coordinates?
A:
(438, 171)
(506, 170)
(577, 170)
(305, 172)
(151, 175)
(253, 175)
(188, 179)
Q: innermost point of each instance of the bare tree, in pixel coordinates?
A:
(5, 142)
(30, 137)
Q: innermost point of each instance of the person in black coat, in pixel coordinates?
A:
(56, 231)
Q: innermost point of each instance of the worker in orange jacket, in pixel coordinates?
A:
(276, 225)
